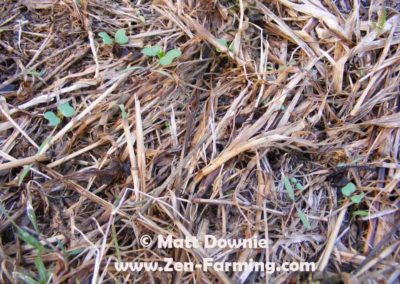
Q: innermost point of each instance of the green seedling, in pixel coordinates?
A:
(289, 188)
(357, 198)
(304, 219)
(152, 51)
(225, 43)
(53, 119)
(119, 37)
(165, 58)
(64, 110)
(348, 191)
(106, 38)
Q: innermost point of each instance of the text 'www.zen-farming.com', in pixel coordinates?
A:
(209, 264)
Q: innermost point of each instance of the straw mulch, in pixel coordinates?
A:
(306, 92)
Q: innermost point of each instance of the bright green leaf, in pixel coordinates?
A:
(222, 42)
(289, 188)
(152, 50)
(348, 189)
(66, 109)
(53, 119)
(304, 219)
(170, 56)
(361, 213)
(120, 37)
(357, 198)
(106, 38)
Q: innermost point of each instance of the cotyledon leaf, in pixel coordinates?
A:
(120, 37)
(106, 38)
(152, 50)
(66, 109)
(170, 56)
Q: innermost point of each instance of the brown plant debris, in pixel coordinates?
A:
(278, 121)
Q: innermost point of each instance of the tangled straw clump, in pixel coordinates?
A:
(278, 120)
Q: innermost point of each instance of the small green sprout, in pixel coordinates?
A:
(289, 188)
(153, 51)
(357, 198)
(225, 43)
(53, 119)
(119, 37)
(348, 189)
(304, 219)
(106, 38)
(65, 110)
(165, 58)
(170, 56)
